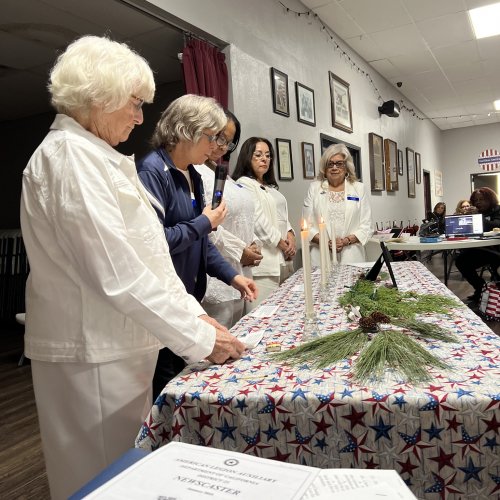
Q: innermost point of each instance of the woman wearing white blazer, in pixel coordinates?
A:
(342, 203)
(254, 170)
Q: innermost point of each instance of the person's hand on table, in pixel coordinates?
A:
(251, 256)
(226, 347)
(217, 215)
(246, 287)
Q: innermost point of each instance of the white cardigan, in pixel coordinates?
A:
(266, 227)
(357, 221)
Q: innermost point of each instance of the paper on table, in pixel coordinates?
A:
(264, 311)
(362, 484)
(252, 338)
(185, 472)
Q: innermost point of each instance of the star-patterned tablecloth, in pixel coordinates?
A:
(442, 437)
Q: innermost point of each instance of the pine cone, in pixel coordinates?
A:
(379, 317)
(367, 324)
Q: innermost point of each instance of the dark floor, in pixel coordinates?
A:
(22, 471)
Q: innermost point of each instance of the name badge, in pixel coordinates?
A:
(352, 198)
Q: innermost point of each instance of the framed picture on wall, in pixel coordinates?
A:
(391, 165)
(376, 152)
(340, 97)
(410, 171)
(438, 182)
(326, 141)
(418, 168)
(284, 154)
(306, 112)
(308, 163)
(400, 162)
(279, 86)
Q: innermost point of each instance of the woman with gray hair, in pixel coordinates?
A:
(102, 297)
(187, 133)
(341, 202)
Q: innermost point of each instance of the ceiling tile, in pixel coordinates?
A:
(386, 68)
(446, 30)
(365, 47)
(489, 47)
(417, 62)
(399, 41)
(426, 9)
(462, 53)
(463, 72)
(339, 21)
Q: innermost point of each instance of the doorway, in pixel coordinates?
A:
(427, 192)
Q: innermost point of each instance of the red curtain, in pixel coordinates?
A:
(205, 71)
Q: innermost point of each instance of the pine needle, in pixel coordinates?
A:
(396, 350)
(425, 330)
(327, 350)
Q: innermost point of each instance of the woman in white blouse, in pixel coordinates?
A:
(254, 170)
(234, 239)
(341, 202)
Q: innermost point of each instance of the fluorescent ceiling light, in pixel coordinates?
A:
(497, 104)
(486, 20)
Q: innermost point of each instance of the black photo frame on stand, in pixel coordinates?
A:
(385, 256)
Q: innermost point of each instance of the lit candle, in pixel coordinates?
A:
(334, 245)
(324, 253)
(306, 269)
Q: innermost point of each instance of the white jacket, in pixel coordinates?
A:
(102, 284)
(357, 221)
(266, 228)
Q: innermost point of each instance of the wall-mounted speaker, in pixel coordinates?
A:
(389, 108)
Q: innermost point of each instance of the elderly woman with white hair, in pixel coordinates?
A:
(340, 201)
(102, 297)
(188, 132)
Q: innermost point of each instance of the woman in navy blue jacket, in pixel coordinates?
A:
(186, 134)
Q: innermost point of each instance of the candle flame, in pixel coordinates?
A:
(303, 225)
(321, 220)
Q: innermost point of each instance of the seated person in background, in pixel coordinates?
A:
(438, 215)
(471, 259)
(465, 207)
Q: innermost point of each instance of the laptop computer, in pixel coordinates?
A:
(463, 226)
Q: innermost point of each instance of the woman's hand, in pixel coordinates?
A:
(246, 287)
(251, 256)
(216, 216)
(292, 249)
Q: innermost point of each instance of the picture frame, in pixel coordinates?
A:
(418, 168)
(410, 171)
(400, 162)
(438, 182)
(306, 111)
(284, 155)
(279, 86)
(391, 165)
(308, 163)
(376, 152)
(340, 96)
(326, 141)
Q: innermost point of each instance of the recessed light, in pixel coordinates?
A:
(486, 20)
(497, 104)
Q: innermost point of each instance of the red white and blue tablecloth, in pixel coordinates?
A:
(442, 437)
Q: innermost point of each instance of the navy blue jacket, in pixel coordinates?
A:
(186, 228)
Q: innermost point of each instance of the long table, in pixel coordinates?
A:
(442, 437)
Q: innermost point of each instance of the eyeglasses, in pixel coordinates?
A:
(211, 138)
(258, 156)
(137, 105)
(338, 164)
(223, 143)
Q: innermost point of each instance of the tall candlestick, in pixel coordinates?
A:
(324, 253)
(306, 269)
(334, 245)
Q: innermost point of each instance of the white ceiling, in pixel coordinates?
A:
(34, 32)
(429, 46)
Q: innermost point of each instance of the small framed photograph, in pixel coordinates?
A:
(376, 152)
(306, 112)
(340, 97)
(410, 170)
(279, 85)
(418, 168)
(400, 162)
(438, 182)
(308, 163)
(391, 165)
(284, 154)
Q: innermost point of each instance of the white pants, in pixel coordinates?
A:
(89, 414)
(227, 313)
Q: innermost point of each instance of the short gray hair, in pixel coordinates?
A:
(98, 71)
(330, 152)
(186, 118)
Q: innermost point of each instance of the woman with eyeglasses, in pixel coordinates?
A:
(234, 238)
(187, 133)
(341, 202)
(254, 170)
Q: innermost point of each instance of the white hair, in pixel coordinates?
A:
(98, 71)
(330, 152)
(186, 118)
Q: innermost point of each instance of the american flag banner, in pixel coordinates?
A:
(489, 160)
